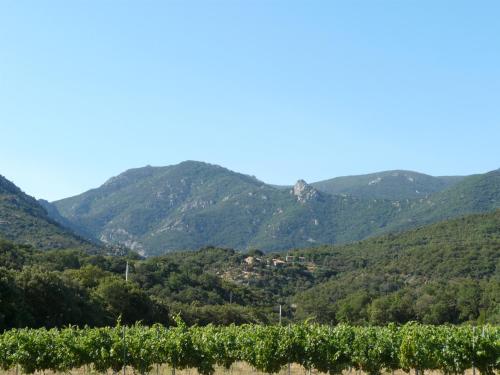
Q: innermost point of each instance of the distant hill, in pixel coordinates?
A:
(392, 185)
(473, 194)
(154, 210)
(25, 221)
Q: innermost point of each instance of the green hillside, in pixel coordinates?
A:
(392, 185)
(24, 220)
(446, 272)
(473, 194)
(154, 210)
(190, 205)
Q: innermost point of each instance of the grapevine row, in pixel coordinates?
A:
(451, 349)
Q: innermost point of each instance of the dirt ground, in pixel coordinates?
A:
(239, 368)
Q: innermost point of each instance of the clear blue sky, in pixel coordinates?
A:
(278, 89)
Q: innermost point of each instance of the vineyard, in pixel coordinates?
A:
(450, 349)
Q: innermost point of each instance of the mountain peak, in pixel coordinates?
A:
(135, 175)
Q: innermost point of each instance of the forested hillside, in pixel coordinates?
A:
(446, 272)
(24, 220)
(190, 205)
(154, 210)
(477, 193)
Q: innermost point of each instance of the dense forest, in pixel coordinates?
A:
(446, 272)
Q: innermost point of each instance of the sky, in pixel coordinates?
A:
(277, 89)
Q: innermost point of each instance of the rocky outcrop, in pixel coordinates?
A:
(304, 192)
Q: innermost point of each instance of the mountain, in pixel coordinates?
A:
(193, 204)
(190, 205)
(473, 194)
(393, 185)
(24, 220)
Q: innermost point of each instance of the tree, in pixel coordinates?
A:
(126, 299)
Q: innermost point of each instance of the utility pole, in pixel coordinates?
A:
(124, 342)
(124, 352)
(289, 365)
(473, 348)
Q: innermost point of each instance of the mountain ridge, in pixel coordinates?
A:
(24, 220)
(194, 204)
(392, 184)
